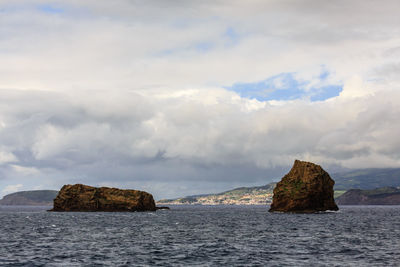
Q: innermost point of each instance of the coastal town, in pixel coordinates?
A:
(240, 196)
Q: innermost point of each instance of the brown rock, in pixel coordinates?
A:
(306, 188)
(80, 197)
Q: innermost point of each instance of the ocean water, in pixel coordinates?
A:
(201, 236)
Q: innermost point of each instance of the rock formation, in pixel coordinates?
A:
(306, 188)
(80, 197)
(378, 196)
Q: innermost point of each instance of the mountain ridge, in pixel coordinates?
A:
(367, 179)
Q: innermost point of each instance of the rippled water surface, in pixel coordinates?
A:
(198, 235)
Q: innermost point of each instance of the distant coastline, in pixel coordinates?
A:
(258, 195)
(378, 196)
(363, 179)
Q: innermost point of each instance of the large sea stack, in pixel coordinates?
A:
(307, 188)
(80, 197)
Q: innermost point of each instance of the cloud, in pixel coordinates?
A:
(6, 157)
(207, 135)
(272, 38)
(135, 94)
(11, 188)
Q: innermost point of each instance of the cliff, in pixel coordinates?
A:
(306, 188)
(87, 198)
(258, 195)
(30, 198)
(379, 196)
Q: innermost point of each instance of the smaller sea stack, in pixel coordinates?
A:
(307, 188)
(81, 197)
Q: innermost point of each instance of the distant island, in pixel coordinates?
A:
(379, 196)
(30, 198)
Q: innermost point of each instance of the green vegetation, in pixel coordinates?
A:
(247, 190)
(338, 193)
(380, 191)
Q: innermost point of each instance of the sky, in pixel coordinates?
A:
(186, 97)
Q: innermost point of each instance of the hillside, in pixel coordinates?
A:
(30, 198)
(258, 195)
(379, 196)
(367, 179)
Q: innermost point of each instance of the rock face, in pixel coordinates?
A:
(379, 196)
(80, 197)
(306, 188)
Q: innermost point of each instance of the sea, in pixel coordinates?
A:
(200, 236)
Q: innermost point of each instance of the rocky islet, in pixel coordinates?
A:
(81, 197)
(307, 188)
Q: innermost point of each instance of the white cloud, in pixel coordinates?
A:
(11, 188)
(7, 157)
(119, 46)
(22, 170)
(355, 87)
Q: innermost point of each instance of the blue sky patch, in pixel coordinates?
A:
(284, 87)
(232, 35)
(204, 47)
(326, 92)
(50, 9)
